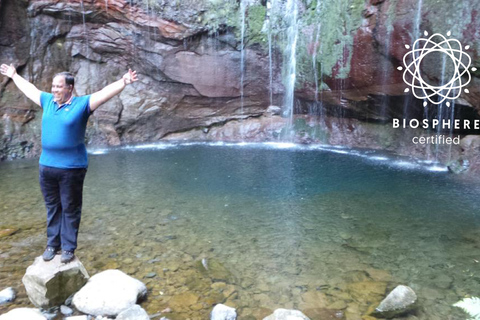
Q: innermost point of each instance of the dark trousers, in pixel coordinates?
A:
(62, 191)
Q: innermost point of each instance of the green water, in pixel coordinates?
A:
(319, 231)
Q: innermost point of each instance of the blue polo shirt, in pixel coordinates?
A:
(63, 132)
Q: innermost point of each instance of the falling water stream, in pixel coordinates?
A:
(243, 9)
(291, 12)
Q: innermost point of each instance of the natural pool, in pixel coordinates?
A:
(316, 229)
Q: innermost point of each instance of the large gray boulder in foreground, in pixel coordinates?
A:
(23, 313)
(49, 284)
(286, 314)
(398, 302)
(108, 293)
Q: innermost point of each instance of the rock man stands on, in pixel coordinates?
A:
(63, 162)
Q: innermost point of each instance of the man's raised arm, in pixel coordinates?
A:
(26, 87)
(102, 96)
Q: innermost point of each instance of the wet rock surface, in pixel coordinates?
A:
(49, 284)
(398, 302)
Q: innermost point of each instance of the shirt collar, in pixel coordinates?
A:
(68, 102)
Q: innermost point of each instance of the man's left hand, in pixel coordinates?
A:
(130, 76)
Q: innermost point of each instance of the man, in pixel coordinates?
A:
(63, 162)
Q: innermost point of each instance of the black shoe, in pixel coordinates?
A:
(67, 256)
(49, 253)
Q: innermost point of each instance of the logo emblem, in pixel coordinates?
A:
(451, 85)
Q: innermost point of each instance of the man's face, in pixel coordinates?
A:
(60, 90)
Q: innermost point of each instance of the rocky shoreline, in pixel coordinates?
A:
(66, 290)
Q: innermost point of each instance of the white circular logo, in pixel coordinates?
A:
(450, 88)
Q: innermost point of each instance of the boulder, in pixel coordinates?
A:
(398, 302)
(23, 313)
(223, 312)
(108, 293)
(49, 284)
(286, 314)
(458, 166)
(7, 295)
(133, 313)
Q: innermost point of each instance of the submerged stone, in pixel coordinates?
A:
(215, 270)
(398, 302)
(183, 301)
(49, 284)
(313, 300)
(7, 231)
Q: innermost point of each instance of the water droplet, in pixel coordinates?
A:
(425, 103)
(425, 33)
(407, 46)
(448, 104)
(466, 91)
(467, 47)
(406, 90)
(400, 68)
(449, 33)
(474, 69)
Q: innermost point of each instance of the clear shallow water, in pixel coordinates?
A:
(297, 227)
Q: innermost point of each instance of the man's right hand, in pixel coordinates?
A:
(26, 87)
(8, 70)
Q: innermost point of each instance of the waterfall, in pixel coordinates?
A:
(317, 110)
(268, 20)
(386, 75)
(415, 35)
(418, 17)
(242, 60)
(440, 110)
(291, 12)
(85, 33)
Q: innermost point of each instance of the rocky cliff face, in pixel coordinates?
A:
(189, 56)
